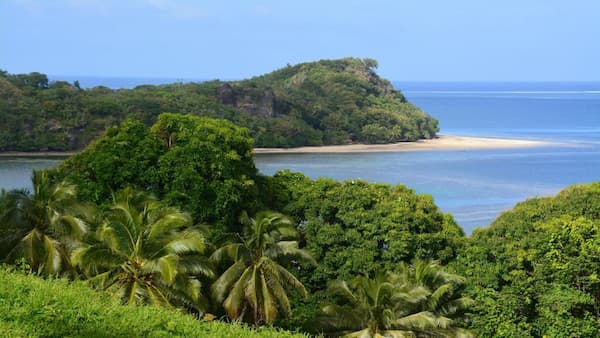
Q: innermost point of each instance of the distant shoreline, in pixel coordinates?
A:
(37, 153)
(443, 142)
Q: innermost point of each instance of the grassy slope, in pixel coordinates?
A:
(33, 307)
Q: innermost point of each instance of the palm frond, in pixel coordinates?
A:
(93, 259)
(252, 290)
(275, 287)
(186, 242)
(421, 321)
(54, 258)
(288, 279)
(224, 283)
(70, 226)
(289, 249)
(233, 304)
(167, 220)
(229, 251)
(164, 266)
(398, 334)
(196, 265)
(342, 318)
(366, 333)
(341, 289)
(268, 302)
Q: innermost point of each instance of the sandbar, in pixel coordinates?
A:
(442, 142)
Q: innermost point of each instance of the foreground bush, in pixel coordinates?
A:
(33, 307)
(534, 271)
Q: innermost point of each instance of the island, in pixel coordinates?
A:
(327, 102)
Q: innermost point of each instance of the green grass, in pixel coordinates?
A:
(34, 307)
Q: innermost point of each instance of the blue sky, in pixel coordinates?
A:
(459, 40)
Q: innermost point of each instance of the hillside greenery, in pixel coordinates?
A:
(175, 215)
(34, 307)
(535, 270)
(316, 103)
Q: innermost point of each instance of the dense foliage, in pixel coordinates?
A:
(41, 226)
(324, 102)
(146, 253)
(32, 307)
(420, 300)
(202, 165)
(259, 270)
(535, 270)
(126, 215)
(254, 286)
(354, 227)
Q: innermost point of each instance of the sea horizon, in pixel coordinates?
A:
(129, 82)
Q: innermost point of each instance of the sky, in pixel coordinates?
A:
(417, 40)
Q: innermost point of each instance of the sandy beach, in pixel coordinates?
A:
(443, 142)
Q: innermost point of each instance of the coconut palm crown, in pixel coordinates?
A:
(146, 252)
(254, 287)
(391, 305)
(41, 226)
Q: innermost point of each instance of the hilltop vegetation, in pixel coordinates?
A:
(317, 103)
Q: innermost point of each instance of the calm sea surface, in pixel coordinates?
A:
(475, 185)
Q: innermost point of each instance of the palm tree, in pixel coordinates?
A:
(389, 305)
(147, 253)
(444, 298)
(254, 286)
(42, 226)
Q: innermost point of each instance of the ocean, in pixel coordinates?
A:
(473, 185)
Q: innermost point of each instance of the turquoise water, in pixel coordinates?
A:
(474, 185)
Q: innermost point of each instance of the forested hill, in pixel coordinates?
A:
(317, 103)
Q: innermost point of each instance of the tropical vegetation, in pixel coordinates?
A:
(534, 271)
(170, 215)
(315, 103)
(34, 307)
(42, 225)
(147, 252)
(255, 284)
(420, 300)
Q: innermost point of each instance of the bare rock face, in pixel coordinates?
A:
(259, 103)
(226, 95)
(268, 102)
(54, 125)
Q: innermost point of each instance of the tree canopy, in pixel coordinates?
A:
(534, 271)
(355, 227)
(314, 103)
(200, 165)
